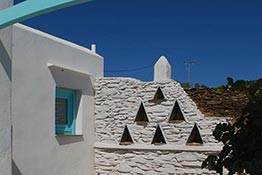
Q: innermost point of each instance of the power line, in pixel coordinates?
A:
(131, 70)
(189, 63)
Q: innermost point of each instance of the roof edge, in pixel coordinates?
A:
(57, 39)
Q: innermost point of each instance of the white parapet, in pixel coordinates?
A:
(162, 69)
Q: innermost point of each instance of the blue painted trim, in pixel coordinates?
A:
(31, 8)
(70, 95)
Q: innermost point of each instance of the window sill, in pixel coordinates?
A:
(66, 135)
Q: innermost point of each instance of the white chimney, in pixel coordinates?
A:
(93, 48)
(162, 70)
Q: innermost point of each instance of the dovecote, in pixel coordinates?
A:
(176, 114)
(194, 137)
(158, 138)
(141, 116)
(126, 138)
(159, 96)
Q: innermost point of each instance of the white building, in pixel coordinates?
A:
(5, 95)
(34, 67)
(41, 64)
(59, 116)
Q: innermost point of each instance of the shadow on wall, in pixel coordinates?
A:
(15, 169)
(71, 79)
(5, 60)
(67, 139)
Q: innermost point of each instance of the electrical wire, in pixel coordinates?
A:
(131, 70)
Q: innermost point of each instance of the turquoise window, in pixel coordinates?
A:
(65, 111)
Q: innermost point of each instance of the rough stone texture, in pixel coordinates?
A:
(149, 162)
(211, 102)
(117, 102)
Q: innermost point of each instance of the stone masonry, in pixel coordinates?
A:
(117, 103)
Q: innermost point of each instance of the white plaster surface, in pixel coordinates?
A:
(5, 95)
(117, 101)
(128, 162)
(36, 148)
(162, 69)
(164, 147)
(5, 3)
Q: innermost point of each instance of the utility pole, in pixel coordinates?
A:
(189, 63)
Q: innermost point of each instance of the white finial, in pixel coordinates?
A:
(162, 69)
(93, 48)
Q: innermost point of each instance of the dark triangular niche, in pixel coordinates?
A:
(176, 114)
(158, 137)
(126, 138)
(195, 137)
(141, 116)
(159, 95)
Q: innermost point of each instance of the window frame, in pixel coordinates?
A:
(70, 96)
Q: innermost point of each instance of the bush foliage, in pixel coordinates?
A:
(242, 138)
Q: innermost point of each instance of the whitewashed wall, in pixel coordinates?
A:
(5, 94)
(117, 102)
(124, 162)
(36, 148)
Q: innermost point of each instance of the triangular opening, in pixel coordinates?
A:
(141, 117)
(126, 138)
(158, 138)
(195, 137)
(159, 95)
(176, 114)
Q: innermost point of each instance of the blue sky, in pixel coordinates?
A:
(223, 36)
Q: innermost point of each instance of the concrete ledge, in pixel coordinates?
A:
(64, 68)
(173, 148)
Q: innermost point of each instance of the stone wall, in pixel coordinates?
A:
(117, 103)
(149, 162)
